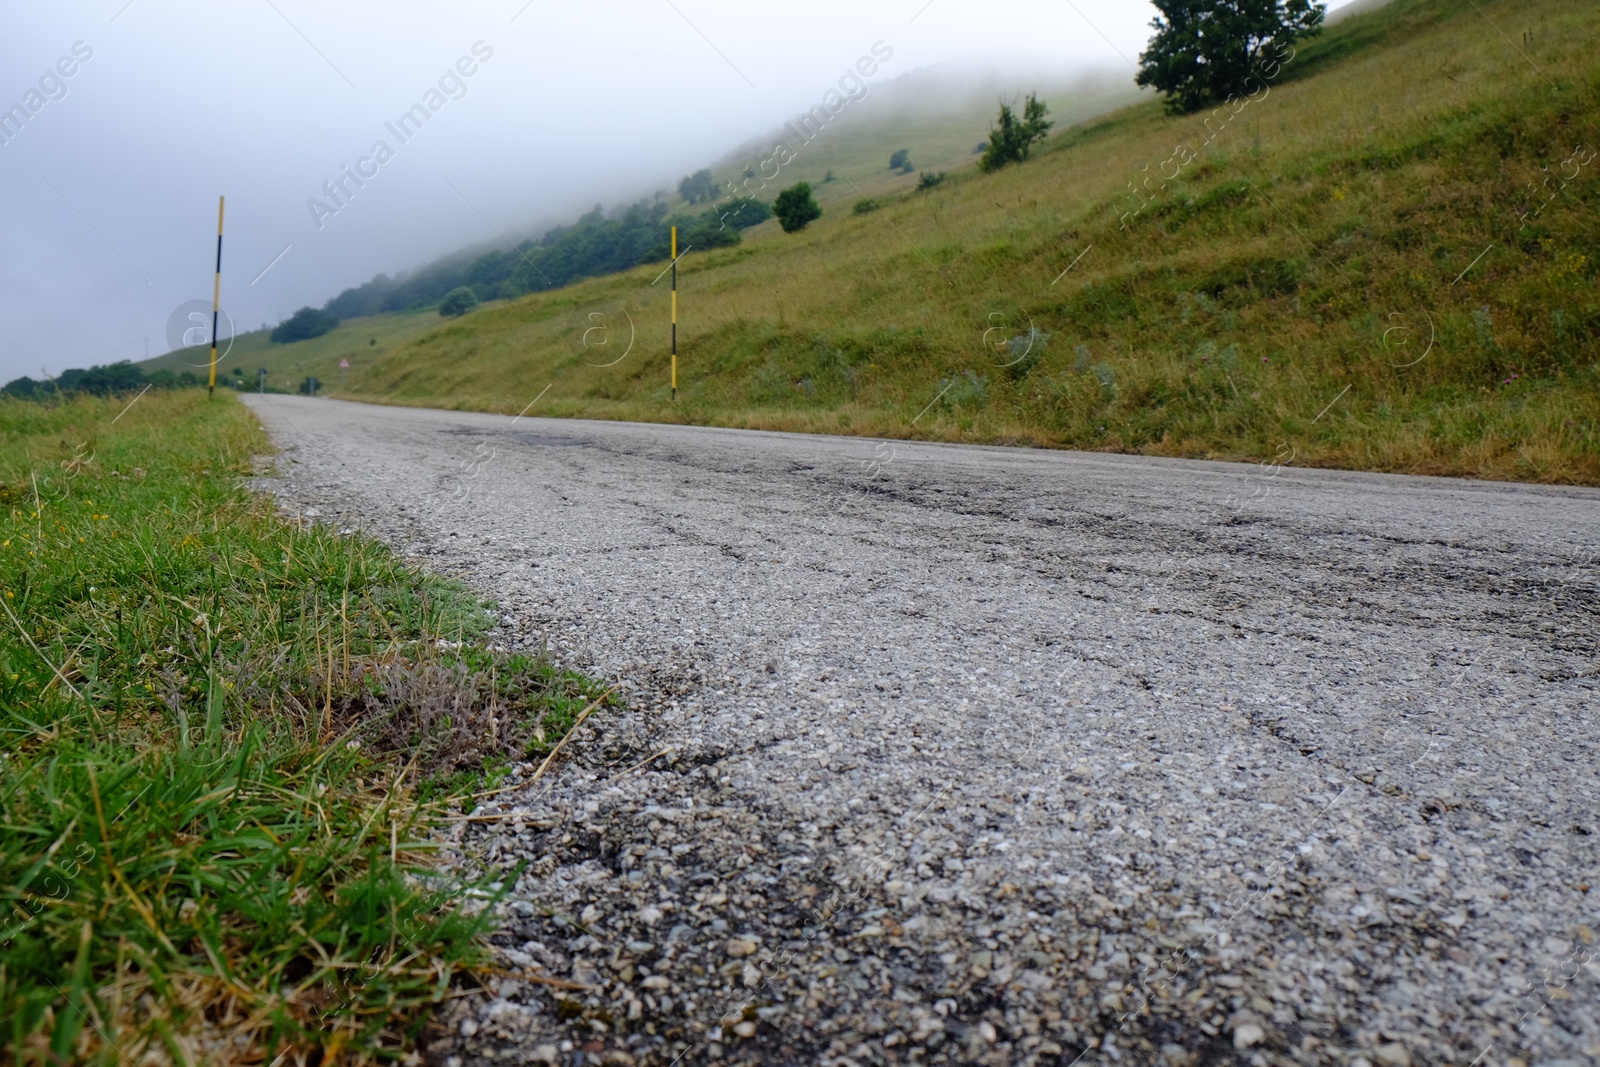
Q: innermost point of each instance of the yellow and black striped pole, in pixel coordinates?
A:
(674, 313)
(216, 302)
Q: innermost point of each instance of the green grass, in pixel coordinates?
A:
(212, 844)
(1278, 298)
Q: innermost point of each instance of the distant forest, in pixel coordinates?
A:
(594, 245)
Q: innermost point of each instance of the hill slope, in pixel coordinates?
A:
(1353, 269)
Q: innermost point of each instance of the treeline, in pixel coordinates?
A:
(108, 380)
(592, 246)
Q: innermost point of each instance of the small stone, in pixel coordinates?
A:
(738, 946)
(1246, 1035)
(1394, 1055)
(469, 1027)
(745, 1029)
(655, 981)
(546, 1054)
(986, 1031)
(649, 915)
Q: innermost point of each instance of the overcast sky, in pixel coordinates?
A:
(110, 185)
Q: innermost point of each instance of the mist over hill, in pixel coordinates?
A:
(940, 114)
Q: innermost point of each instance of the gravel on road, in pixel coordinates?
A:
(944, 754)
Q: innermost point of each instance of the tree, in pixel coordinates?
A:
(699, 187)
(795, 207)
(901, 161)
(302, 326)
(1011, 138)
(458, 302)
(1205, 51)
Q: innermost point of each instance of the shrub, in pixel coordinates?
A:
(1025, 352)
(1011, 138)
(901, 161)
(458, 302)
(928, 181)
(863, 207)
(795, 207)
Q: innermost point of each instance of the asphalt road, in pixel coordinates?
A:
(992, 755)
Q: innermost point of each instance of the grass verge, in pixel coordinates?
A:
(226, 739)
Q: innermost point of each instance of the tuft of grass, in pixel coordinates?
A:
(1328, 234)
(212, 842)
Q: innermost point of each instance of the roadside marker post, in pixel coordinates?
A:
(216, 303)
(674, 314)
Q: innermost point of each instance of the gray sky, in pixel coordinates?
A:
(110, 186)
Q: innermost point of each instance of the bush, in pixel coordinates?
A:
(795, 208)
(928, 181)
(303, 325)
(1025, 351)
(863, 207)
(458, 302)
(901, 161)
(1011, 138)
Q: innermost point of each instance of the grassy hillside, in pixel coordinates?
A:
(358, 341)
(939, 114)
(1353, 270)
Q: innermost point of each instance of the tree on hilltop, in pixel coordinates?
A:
(1205, 50)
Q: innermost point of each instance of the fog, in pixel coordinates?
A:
(123, 122)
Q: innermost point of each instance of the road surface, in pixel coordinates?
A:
(992, 755)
